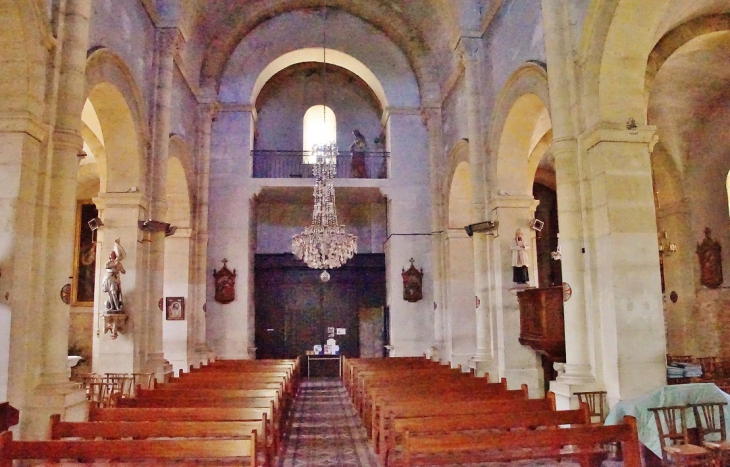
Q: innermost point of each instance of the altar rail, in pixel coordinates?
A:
(293, 164)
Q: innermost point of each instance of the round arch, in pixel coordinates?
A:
(25, 32)
(118, 102)
(334, 57)
(219, 48)
(460, 195)
(458, 160)
(520, 130)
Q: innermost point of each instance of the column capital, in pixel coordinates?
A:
(208, 110)
(513, 202)
(170, 39)
(431, 114)
(613, 132)
(468, 48)
(64, 138)
(23, 122)
(107, 200)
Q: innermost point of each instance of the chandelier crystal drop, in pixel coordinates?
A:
(324, 244)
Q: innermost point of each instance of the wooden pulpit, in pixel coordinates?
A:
(542, 326)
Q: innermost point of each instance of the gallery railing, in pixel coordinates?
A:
(295, 164)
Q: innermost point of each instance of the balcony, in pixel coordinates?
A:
(291, 164)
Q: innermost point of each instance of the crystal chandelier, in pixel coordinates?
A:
(324, 244)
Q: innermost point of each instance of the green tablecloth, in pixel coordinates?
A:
(680, 394)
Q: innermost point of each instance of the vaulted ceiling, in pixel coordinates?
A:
(417, 27)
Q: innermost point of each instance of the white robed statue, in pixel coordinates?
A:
(112, 284)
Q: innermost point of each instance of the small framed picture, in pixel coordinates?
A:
(175, 308)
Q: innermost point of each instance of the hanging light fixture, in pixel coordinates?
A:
(324, 244)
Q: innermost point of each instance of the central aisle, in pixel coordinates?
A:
(325, 429)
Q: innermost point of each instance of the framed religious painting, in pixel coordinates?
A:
(84, 268)
(175, 308)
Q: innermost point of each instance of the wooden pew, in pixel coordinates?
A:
(379, 432)
(581, 443)
(477, 422)
(166, 429)
(158, 451)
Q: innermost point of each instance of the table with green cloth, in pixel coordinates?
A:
(666, 396)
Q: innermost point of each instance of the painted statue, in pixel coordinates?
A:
(358, 168)
(520, 259)
(112, 283)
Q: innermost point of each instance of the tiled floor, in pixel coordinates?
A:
(325, 429)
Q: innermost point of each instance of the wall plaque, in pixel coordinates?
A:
(710, 258)
(225, 284)
(412, 283)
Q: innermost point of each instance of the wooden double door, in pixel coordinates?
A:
(296, 310)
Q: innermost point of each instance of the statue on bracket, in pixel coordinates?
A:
(112, 283)
(225, 284)
(520, 259)
(709, 254)
(358, 166)
(412, 283)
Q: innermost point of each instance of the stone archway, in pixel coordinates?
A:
(121, 202)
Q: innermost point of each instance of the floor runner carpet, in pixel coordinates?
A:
(325, 429)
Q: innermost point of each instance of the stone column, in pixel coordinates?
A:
(206, 114)
(166, 42)
(563, 104)
(432, 118)
(55, 394)
(517, 363)
(482, 361)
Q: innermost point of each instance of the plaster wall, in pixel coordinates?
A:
(281, 107)
(4, 350)
(455, 116)
(304, 28)
(461, 315)
(278, 222)
(126, 28)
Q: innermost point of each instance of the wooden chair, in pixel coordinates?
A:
(99, 393)
(671, 424)
(710, 421)
(597, 404)
(121, 383)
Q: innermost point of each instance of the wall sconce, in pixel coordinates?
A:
(153, 226)
(666, 248)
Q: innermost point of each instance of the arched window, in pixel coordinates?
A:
(320, 127)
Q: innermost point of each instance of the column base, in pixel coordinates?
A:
(157, 364)
(483, 365)
(572, 379)
(67, 399)
(436, 352)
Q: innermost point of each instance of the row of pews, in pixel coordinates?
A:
(418, 412)
(226, 411)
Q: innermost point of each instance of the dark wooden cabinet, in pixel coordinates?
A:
(542, 325)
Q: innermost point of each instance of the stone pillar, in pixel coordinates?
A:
(409, 227)
(623, 260)
(230, 327)
(55, 394)
(206, 114)
(166, 42)
(432, 118)
(517, 363)
(460, 316)
(119, 213)
(483, 359)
